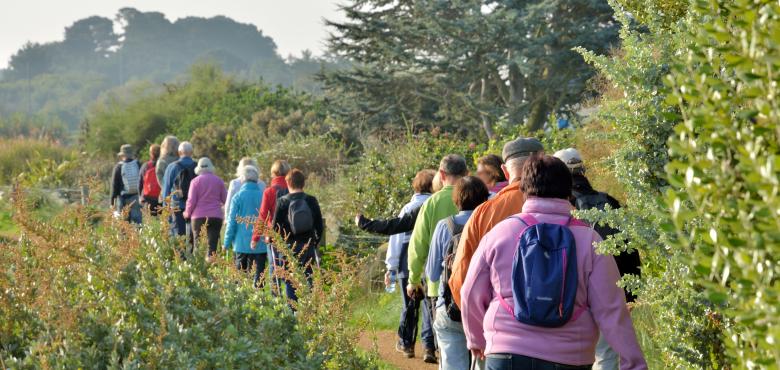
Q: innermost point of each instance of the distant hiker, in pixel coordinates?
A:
(244, 211)
(277, 189)
(512, 313)
(235, 184)
(125, 185)
(206, 198)
(150, 188)
(490, 172)
(168, 154)
(177, 179)
(585, 197)
(505, 203)
(469, 192)
(298, 220)
(439, 206)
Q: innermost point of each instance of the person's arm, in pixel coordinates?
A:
(232, 223)
(159, 172)
(141, 180)
(439, 243)
(229, 203)
(169, 179)
(419, 243)
(319, 227)
(116, 183)
(267, 207)
(608, 306)
(390, 226)
(280, 223)
(469, 240)
(192, 198)
(475, 297)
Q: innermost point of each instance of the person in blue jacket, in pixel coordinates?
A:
(244, 211)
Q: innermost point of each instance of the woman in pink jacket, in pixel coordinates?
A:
(493, 333)
(205, 204)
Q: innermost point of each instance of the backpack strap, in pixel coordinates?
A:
(451, 224)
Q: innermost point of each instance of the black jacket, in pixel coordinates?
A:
(627, 262)
(117, 185)
(299, 242)
(390, 226)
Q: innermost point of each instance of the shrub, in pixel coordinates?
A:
(18, 156)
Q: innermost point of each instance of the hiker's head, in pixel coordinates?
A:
(295, 180)
(126, 152)
(246, 161)
(423, 182)
(469, 193)
(516, 152)
(451, 168)
(154, 152)
(489, 170)
(572, 158)
(280, 168)
(204, 166)
(185, 149)
(545, 176)
(249, 173)
(169, 146)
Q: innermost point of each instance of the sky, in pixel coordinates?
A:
(295, 25)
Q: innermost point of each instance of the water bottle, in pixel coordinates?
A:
(390, 288)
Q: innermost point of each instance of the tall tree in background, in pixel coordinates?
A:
(464, 62)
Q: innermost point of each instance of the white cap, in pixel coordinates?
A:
(571, 157)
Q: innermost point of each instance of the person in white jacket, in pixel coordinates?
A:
(235, 184)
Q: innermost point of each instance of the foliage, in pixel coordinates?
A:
(23, 156)
(726, 169)
(460, 64)
(115, 296)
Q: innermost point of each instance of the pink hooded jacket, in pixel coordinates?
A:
(490, 327)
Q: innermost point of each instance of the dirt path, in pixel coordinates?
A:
(385, 342)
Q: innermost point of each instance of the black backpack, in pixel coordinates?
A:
(280, 191)
(182, 182)
(594, 200)
(449, 256)
(300, 216)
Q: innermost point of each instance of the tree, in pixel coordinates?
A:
(466, 61)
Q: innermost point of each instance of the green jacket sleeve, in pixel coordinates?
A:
(419, 243)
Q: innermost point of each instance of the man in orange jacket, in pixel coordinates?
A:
(505, 203)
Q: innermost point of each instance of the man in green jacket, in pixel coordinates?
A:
(435, 208)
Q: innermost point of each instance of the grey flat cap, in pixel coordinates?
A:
(127, 151)
(521, 147)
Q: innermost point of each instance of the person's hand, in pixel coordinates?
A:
(267, 240)
(253, 245)
(357, 219)
(478, 354)
(412, 289)
(387, 278)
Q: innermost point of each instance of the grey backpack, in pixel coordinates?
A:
(300, 217)
(131, 176)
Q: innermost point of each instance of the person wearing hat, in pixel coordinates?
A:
(124, 185)
(207, 195)
(505, 203)
(244, 211)
(585, 197)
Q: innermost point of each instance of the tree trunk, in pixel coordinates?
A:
(538, 116)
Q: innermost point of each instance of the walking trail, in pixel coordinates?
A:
(385, 346)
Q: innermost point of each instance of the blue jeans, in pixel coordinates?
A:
(407, 328)
(452, 342)
(505, 361)
(132, 205)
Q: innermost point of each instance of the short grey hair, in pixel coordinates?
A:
(515, 166)
(454, 165)
(186, 148)
(246, 161)
(249, 173)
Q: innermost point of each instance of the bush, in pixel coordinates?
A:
(19, 156)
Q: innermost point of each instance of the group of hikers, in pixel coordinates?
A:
(505, 276)
(200, 205)
(502, 274)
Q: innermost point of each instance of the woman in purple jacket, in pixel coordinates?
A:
(206, 198)
(492, 332)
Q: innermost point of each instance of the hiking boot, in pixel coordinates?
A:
(430, 356)
(407, 351)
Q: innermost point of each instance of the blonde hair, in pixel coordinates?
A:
(246, 161)
(280, 168)
(169, 146)
(437, 184)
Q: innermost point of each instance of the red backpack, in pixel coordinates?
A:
(151, 186)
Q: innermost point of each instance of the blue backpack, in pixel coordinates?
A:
(544, 274)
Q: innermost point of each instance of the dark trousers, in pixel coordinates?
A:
(152, 204)
(131, 205)
(505, 361)
(245, 261)
(407, 328)
(213, 229)
(179, 226)
(281, 262)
